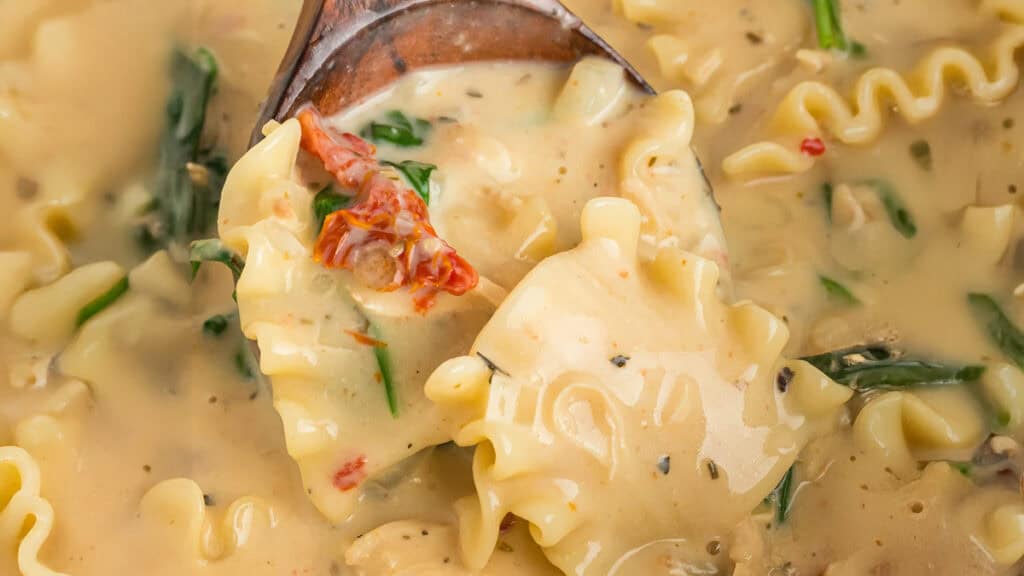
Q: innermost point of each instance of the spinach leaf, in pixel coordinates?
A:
(878, 367)
(827, 194)
(188, 182)
(1001, 330)
(101, 302)
(783, 495)
(900, 217)
(216, 325)
(396, 128)
(326, 202)
(213, 250)
(384, 365)
(830, 28)
(417, 174)
(837, 291)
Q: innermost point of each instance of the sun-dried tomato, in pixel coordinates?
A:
(385, 236)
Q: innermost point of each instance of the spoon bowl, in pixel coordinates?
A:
(343, 51)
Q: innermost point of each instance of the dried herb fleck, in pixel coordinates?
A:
(713, 469)
(783, 378)
(665, 464)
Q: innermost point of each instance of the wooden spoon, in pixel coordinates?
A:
(343, 51)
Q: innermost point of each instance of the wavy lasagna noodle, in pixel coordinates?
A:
(312, 326)
(812, 108)
(328, 379)
(179, 506)
(26, 518)
(603, 375)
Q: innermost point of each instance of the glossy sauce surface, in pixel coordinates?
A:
(160, 449)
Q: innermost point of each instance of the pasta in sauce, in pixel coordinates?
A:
(492, 320)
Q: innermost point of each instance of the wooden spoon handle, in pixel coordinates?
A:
(345, 50)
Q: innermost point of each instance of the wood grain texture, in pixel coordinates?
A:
(345, 50)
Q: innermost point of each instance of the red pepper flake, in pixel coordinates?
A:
(812, 146)
(366, 340)
(350, 474)
(385, 237)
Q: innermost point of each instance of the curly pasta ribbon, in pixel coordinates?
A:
(20, 480)
(812, 108)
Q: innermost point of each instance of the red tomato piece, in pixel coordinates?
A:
(385, 237)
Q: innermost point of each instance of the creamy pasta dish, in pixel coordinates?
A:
(497, 318)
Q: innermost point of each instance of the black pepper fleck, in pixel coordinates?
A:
(921, 152)
(714, 547)
(783, 378)
(1012, 189)
(209, 500)
(474, 93)
(713, 469)
(619, 360)
(665, 464)
(735, 109)
(1007, 123)
(754, 38)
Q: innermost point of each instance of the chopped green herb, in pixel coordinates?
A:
(900, 217)
(1001, 330)
(826, 194)
(417, 174)
(216, 325)
(782, 495)
(102, 301)
(213, 250)
(188, 182)
(921, 152)
(326, 202)
(837, 291)
(384, 365)
(830, 29)
(396, 128)
(877, 367)
(858, 50)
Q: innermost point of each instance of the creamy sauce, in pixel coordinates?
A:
(145, 440)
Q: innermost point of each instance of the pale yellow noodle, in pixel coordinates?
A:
(813, 108)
